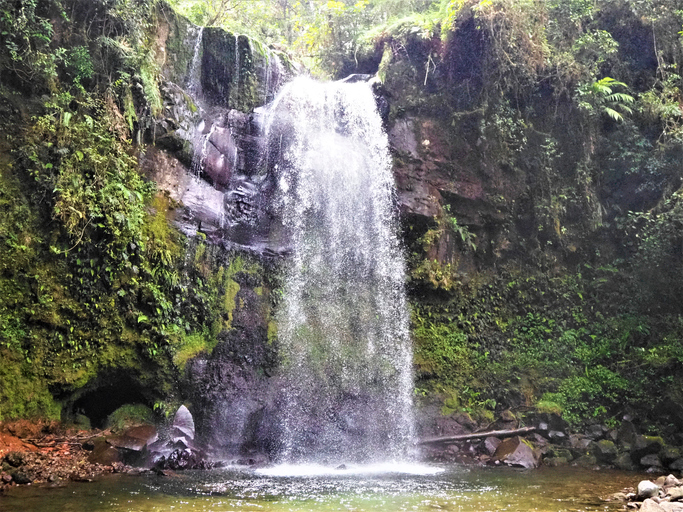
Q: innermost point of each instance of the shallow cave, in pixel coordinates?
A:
(98, 403)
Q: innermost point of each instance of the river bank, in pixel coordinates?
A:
(48, 453)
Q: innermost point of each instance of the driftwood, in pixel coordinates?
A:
(477, 435)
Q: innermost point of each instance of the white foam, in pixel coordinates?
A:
(316, 470)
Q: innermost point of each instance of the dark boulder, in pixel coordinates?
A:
(605, 451)
(516, 452)
(645, 445)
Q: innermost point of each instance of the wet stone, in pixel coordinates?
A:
(672, 507)
(675, 493)
(651, 506)
(21, 478)
(606, 451)
(650, 461)
(14, 459)
(624, 462)
(647, 489)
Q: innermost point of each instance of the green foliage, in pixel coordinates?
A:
(93, 181)
(590, 396)
(569, 344)
(601, 97)
(25, 36)
(129, 415)
(79, 64)
(427, 268)
(661, 105)
(23, 394)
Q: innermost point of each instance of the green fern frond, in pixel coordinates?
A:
(613, 114)
(620, 97)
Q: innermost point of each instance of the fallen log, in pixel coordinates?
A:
(477, 435)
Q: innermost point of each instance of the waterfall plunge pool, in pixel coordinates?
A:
(424, 488)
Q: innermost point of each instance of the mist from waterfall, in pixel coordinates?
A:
(343, 319)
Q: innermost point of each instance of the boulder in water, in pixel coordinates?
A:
(178, 449)
(605, 451)
(647, 489)
(134, 438)
(183, 425)
(646, 445)
(491, 444)
(104, 453)
(517, 452)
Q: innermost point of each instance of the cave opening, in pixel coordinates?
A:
(98, 403)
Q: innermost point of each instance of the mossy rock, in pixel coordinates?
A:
(129, 415)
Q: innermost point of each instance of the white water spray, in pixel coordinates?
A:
(343, 321)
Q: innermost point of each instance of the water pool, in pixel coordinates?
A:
(315, 488)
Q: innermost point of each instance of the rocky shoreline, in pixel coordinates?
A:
(665, 494)
(48, 453)
(548, 440)
(52, 454)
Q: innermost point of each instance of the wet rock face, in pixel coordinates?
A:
(229, 388)
(438, 174)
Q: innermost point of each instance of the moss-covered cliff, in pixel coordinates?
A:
(537, 149)
(103, 300)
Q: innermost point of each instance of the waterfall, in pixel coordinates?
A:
(194, 85)
(343, 321)
(237, 68)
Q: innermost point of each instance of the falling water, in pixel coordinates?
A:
(194, 83)
(200, 148)
(273, 72)
(237, 67)
(343, 322)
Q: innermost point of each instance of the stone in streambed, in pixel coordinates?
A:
(671, 507)
(651, 506)
(677, 465)
(21, 478)
(651, 461)
(605, 451)
(585, 461)
(134, 438)
(554, 462)
(675, 493)
(555, 451)
(647, 489)
(672, 481)
(646, 445)
(103, 453)
(624, 462)
(491, 444)
(515, 451)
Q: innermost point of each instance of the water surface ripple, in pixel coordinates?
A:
(454, 489)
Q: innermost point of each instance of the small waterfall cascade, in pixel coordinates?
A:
(343, 320)
(194, 84)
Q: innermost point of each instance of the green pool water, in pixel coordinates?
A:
(452, 488)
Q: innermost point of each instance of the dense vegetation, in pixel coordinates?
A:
(571, 299)
(97, 287)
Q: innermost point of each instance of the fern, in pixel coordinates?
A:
(600, 96)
